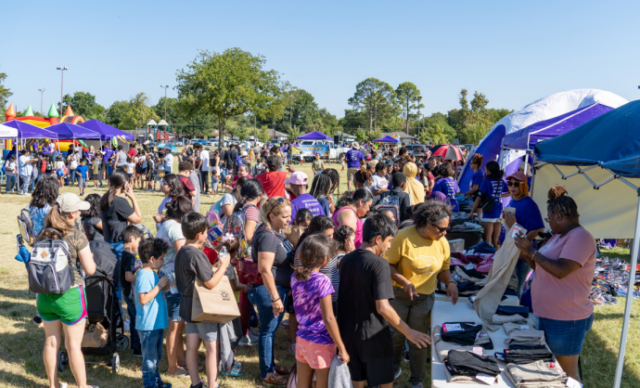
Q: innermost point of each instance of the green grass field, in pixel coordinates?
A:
(21, 343)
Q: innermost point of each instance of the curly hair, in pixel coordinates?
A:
(430, 212)
(477, 159)
(314, 251)
(94, 201)
(560, 203)
(45, 192)
(446, 170)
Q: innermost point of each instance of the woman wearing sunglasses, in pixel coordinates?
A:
(565, 267)
(419, 256)
(527, 214)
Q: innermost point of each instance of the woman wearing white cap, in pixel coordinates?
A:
(66, 312)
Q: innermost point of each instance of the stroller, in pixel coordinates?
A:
(103, 307)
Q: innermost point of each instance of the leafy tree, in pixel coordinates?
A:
(475, 131)
(374, 97)
(436, 134)
(479, 103)
(361, 135)
(303, 110)
(5, 93)
(273, 110)
(407, 96)
(115, 113)
(138, 113)
(263, 134)
(496, 115)
(375, 134)
(293, 133)
(225, 85)
(83, 104)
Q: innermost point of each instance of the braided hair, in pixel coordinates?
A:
(313, 252)
(560, 203)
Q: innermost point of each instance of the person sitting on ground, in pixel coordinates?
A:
(151, 310)
(298, 186)
(365, 291)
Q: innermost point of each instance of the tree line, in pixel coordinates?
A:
(234, 93)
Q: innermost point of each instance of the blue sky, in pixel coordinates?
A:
(515, 52)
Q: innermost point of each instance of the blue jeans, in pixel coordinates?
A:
(24, 183)
(12, 183)
(268, 325)
(151, 354)
(33, 182)
(131, 310)
(72, 173)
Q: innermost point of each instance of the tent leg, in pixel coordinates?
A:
(627, 306)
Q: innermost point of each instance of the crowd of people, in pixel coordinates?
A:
(348, 269)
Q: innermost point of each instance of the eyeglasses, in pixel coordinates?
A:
(442, 230)
(163, 183)
(513, 183)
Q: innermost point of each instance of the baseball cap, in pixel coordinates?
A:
(69, 203)
(355, 145)
(518, 175)
(298, 178)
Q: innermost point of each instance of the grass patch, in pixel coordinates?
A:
(21, 343)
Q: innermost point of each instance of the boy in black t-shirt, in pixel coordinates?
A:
(192, 265)
(131, 237)
(365, 290)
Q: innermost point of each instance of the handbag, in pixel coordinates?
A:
(487, 203)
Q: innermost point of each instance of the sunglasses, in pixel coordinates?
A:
(442, 230)
(163, 183)
(513, 183)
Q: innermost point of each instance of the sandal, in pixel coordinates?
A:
(181, 372)
(282, 371)
(275, 379)
(236, 371)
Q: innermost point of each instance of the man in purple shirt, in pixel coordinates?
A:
(298, 187)
(353, 158)
(106, 155)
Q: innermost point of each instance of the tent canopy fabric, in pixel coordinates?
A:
(68, 131)
(315, 135)
(593, 143)
(387, 139)
(8, 132)
(527, 138)
(106, 131)
(544, 109)
(27, 131)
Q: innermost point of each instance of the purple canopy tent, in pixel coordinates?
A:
(29, 131)
(106, 131)
(68, 131)
(387, 139)
(527, 138)
(315, 135)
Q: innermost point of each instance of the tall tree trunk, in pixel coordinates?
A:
(407, 122)
(370, 120)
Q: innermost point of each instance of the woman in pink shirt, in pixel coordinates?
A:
(564, 269)
(358, 205)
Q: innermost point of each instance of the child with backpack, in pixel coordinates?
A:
(132, 236)
(151, 310)
(318, 335)
(192, 265)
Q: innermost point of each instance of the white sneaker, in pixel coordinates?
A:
(254, 335)
(247, 341)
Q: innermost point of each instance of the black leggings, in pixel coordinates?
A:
(204, 177)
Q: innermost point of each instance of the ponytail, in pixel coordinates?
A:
(251, 189)
(313, 252)
(117, 181)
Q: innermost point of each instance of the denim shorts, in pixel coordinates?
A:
(565, 338)
(173, 306)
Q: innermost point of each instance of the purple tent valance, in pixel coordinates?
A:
(68, 131)
(315, 135)
(528, 137)
(29, 131)
(106, 131)
(387, 139)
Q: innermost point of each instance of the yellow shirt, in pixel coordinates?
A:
(418, 259)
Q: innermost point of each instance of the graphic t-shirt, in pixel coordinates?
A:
(170, 232)
(448, 187)
(418, 259)
(378, 182)
(494, 188)
(273, 183)
(354, 157)
(306, 303)
(306, 201)
(153, 315)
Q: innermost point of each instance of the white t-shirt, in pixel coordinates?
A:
(9, 165)
(204, 156)
(168, 162)
(227, 199)
(379, 182)
(130, 167)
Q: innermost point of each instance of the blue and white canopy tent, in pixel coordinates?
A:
(599, 164)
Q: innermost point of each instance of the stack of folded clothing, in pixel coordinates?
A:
(509, 327)
(527, 337)
(466, 334)
(462, 366)
(539, 374)
(511, 314)
(443, 347)
(525, 356)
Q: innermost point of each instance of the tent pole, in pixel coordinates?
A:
(627, 306)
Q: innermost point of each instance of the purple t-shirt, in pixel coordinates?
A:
(306, 303)
(449, 187)
(107, 154)
(354, 157)
(306, 201)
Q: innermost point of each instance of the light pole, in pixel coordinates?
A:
(290, 110)
(165, 100)
(62, 69)
(41, 94)
(419, 99)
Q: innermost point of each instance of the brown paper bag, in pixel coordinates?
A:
(217, 306)
(95, 336)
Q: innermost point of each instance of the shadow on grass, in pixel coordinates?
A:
(599, 364)
(17, 294)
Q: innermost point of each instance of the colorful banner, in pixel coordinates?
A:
(312, 150)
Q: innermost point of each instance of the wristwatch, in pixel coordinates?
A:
(452, 281)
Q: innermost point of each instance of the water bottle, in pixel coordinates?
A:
(223, 253)
(172, 282)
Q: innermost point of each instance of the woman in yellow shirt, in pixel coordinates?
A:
(419, 256)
